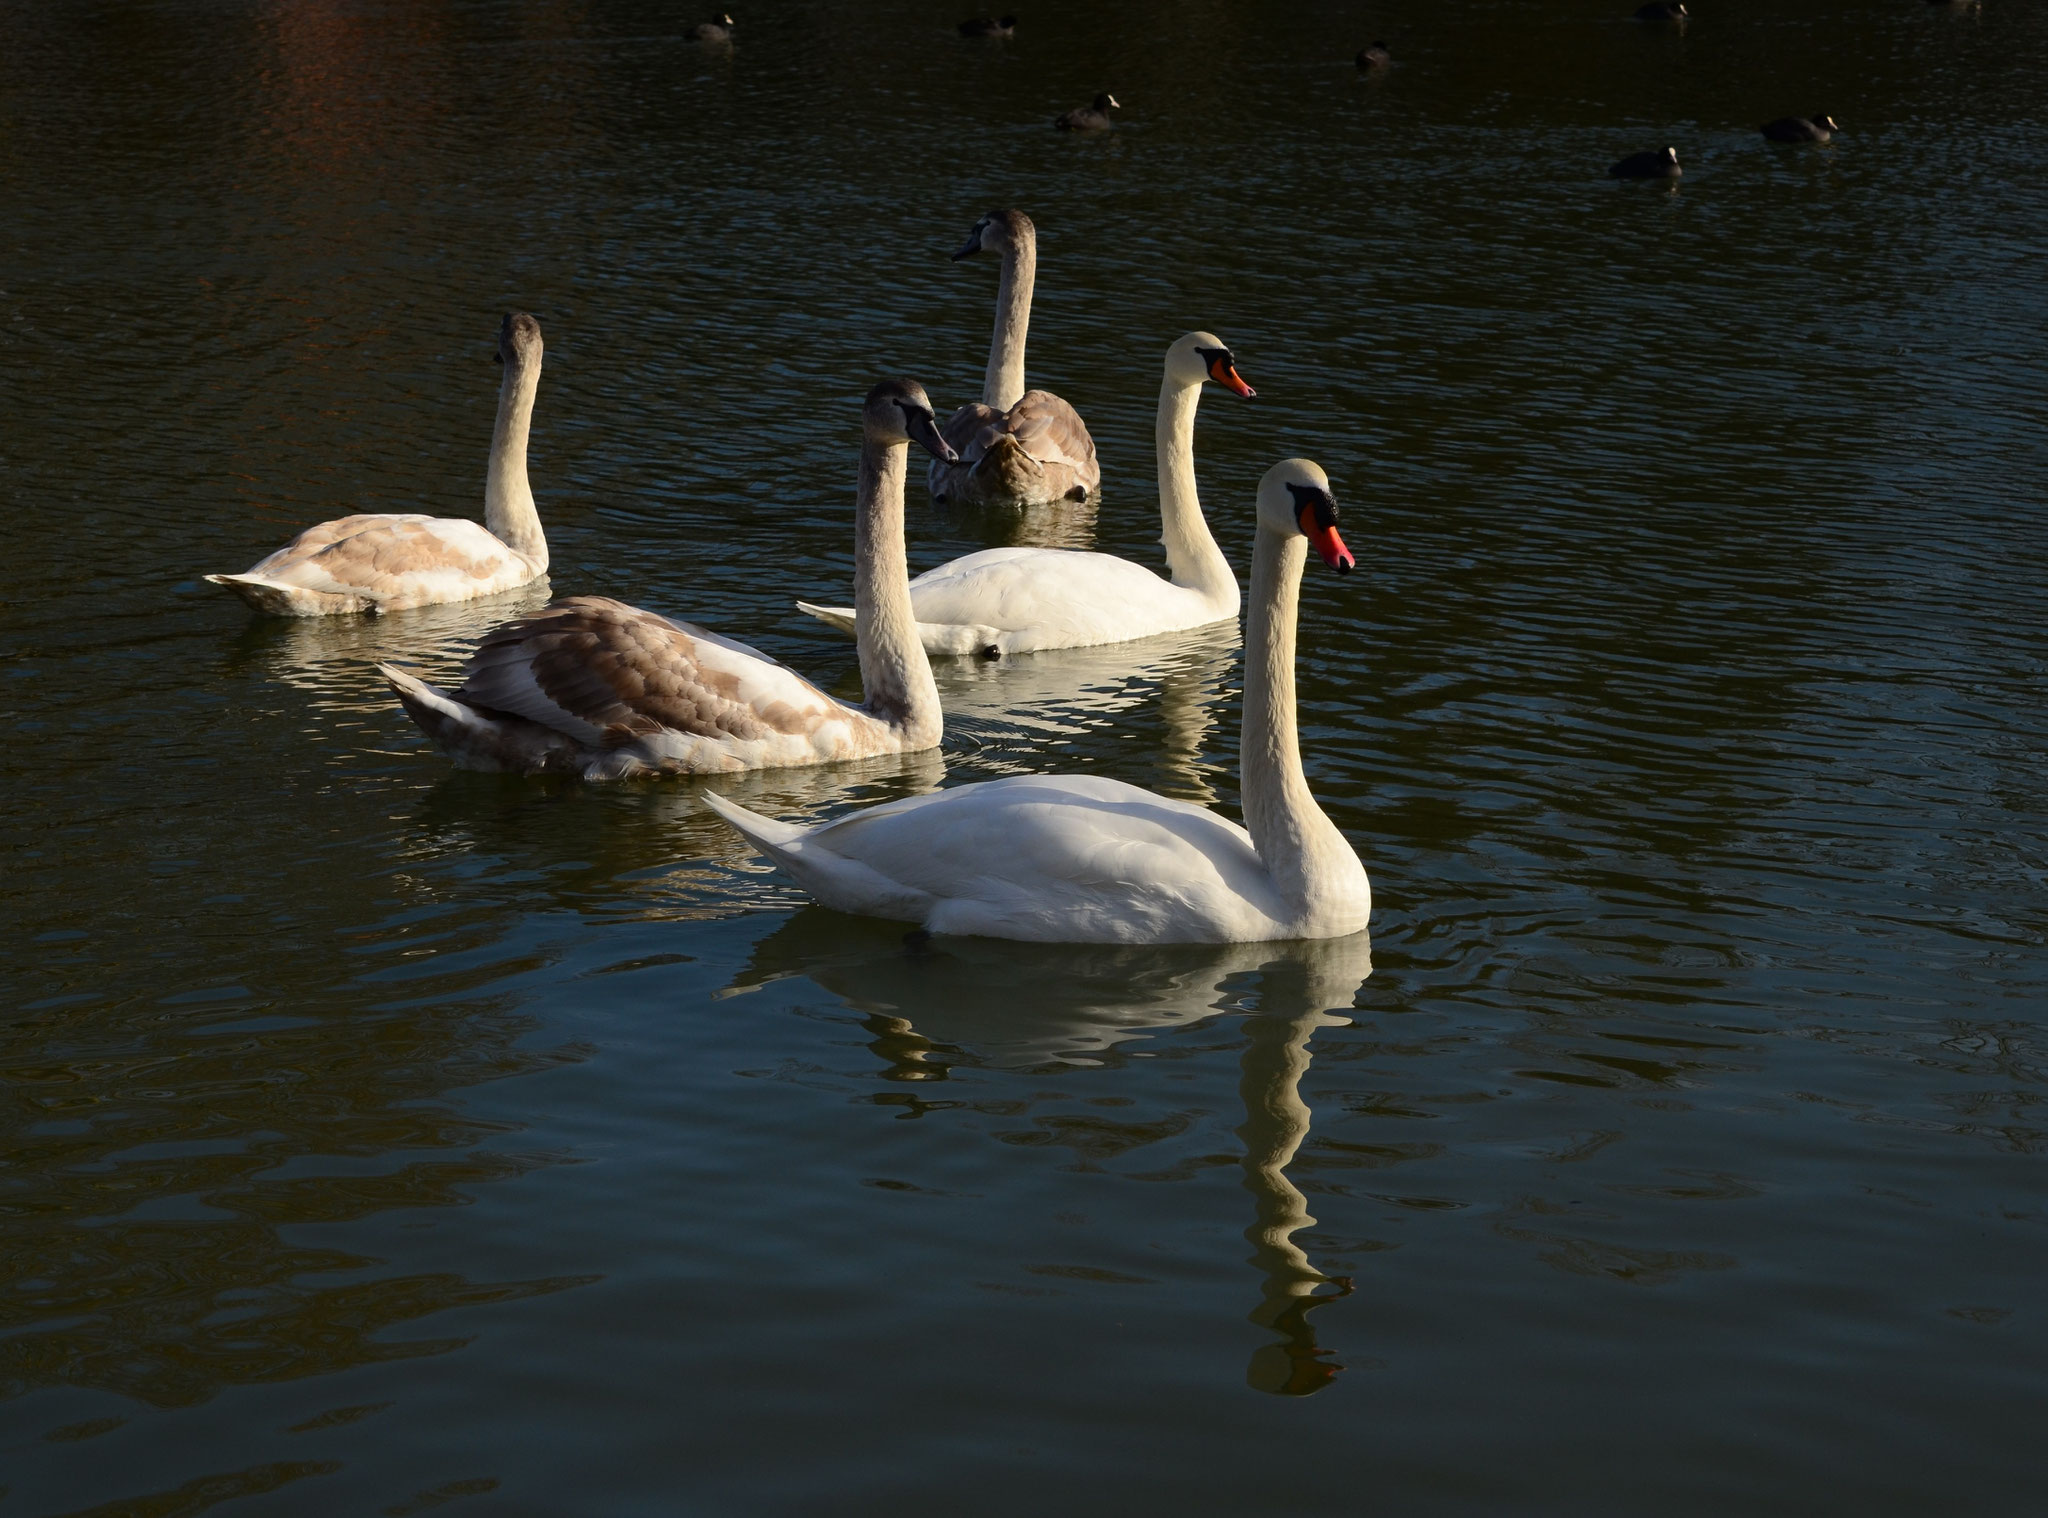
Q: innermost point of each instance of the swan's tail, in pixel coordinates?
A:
(846, 885)
(483, 740)
(840, 617)
(775, 839)
(268, 596)
(1005, 469)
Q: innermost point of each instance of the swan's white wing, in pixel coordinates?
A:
(1063, 596)
(606, 673)
(1065, 858)
(397, 556)
(1053, 433)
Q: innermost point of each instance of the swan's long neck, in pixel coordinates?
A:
(508, 500)
(895, 676)
(1311, 864)
(1192, 557)
(1003, 386)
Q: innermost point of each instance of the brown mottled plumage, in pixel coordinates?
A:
(378, 562)
(594, 687)
(1017, 447)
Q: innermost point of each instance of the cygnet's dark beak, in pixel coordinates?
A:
(971, 247)
(923, 428)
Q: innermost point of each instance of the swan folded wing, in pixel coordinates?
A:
(1067, 850)
(608, 674)
(386, 556)
(970, 430)
(1052, 432)
(1084, 595)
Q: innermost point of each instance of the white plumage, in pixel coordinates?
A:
(1016, 600)
(1082, 859)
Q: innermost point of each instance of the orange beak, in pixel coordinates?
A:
(1326, 542)
(1225, 374)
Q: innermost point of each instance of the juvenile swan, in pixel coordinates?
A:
(1013, 600)
(596, 688)
(1081, 859)
(393, 561)
(1017, 447)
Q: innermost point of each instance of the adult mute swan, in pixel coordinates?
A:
(394, 561)
(593, 687)
(1017, 447)
(1013, 600)
(1080, 859)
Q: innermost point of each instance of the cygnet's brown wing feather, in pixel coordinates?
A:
(607, 673)
(1052, 432)
(964, 428)
(384, 555)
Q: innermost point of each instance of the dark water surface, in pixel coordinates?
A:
(378, 1137)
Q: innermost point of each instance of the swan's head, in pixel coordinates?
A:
(1106, 102)
(519, 345)
(1203, 356)
(1295, 502)
(996, 232)
(898, 411)
(726, 22)
(1825, 123)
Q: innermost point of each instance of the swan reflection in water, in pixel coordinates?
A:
(1013, 1005)
(1050, 524)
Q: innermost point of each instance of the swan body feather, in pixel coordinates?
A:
(616, 691)
(1018, 600)
(379, 562)
(1037, 452)
(1042, 858)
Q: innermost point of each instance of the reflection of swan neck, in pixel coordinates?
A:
(1003, 386)
(1276, 1121)
(896, 677)
(509, 512)
(1192, 557)
(1187, 697)
(1311, 864)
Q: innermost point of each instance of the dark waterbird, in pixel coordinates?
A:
(1662, 10)
(1801, 129)
(986, 26)
(1658, 163)
(1088, 118)
(711, 31)
(1374, 57)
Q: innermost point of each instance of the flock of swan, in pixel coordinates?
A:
(593, 687)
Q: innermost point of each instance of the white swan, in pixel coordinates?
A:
(593, 687)
(1017, 447)
(390, 562)
(1013, 600)
(1077, 859)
